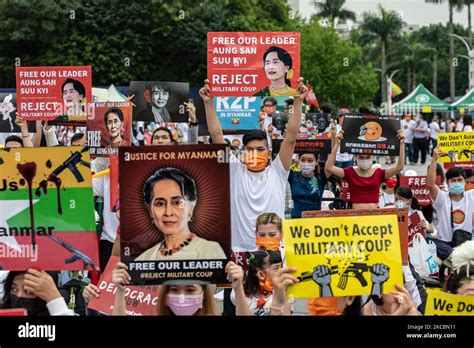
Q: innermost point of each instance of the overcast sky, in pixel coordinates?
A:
(412, 11)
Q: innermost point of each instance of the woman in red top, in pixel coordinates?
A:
(364, 180)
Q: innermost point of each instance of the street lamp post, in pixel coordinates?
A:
(470, 56)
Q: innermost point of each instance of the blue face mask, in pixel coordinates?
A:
(456, 188)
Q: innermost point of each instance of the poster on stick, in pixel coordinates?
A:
(253, 63)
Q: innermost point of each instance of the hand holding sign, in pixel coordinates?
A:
(120, 276)
(90, 291)
(191, 110)
(405, 303)
(302, 89)
(205, 92)
(235, 274)
(401, 136)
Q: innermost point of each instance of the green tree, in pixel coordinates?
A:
(451, 5)
(381, 28)
(335, 68)
(333, 11)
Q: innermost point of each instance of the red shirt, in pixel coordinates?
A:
(364, 190)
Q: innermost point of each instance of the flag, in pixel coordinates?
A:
(311, 97)
(396, 90)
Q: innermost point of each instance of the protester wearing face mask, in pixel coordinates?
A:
(36, 291)
(387, 192)
(257, 185)
(307, 185)
(364, 180)
(404, 199)
(264, 291)
(269, 232)
(454, 208)
(180, 298)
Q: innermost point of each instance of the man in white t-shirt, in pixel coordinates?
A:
(407, 125)
(454, 208)
(257, 185)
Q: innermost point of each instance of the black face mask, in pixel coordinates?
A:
(30, 304)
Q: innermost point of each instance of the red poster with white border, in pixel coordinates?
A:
(417, 184)
(139, 300)
(253, 63)
(413, 228)
(62, 93)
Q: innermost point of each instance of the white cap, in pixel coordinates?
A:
(410, 172)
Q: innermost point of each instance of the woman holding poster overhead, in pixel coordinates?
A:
(364, 180)
(171, 196)
(278, 66)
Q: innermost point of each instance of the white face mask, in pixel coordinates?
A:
(364, 164)
(307, 167)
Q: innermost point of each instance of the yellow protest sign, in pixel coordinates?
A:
(443, 303)
(426, 108)
(456, 147)
(344, 255)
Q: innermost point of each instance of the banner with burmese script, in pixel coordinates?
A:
(253, 63)
(174, 213)
(46, 209)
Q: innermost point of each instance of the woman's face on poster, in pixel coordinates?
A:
(114, 125)
(170, 211)
(71, 97)
(274, 68)
(159, 97)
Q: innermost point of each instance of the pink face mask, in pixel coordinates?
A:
(184, 305)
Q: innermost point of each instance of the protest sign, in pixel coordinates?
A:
(178, 180)
(114, 182)
(59, 93)
(413, 228)
(109, 128)
(13, 312)
(235, 140)
(402, 221)
(343, 255)
(159, 102)
(321, 145)
(370, 135)
(417, 184)
(456, 147)
(465, 165)
(443, 303)
(8, 114)
(238, 113)
(345, 194)
(46, 209)
(139, 300)
(253, 63)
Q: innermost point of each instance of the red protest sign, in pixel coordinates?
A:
(246, 64)
(345, 194)
(417, 184)
(465, 165)
(13, 312)
(139, 300)
(413, 228)
(61, 93)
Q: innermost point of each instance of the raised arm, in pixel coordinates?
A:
(213, 124)
(391, 171)
(431, 175)
(330, 166)
(23, 124)
(235, 275)
(121, 279)
(288, 146)
(36, 139)
(193, 128)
